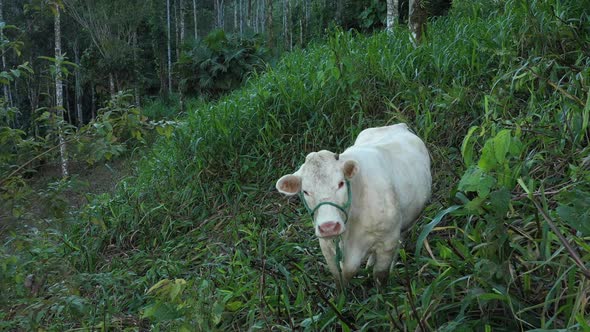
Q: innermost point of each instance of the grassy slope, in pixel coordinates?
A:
(202, 215)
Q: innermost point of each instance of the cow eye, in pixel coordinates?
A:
(341, 184)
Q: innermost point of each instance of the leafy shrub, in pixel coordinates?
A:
(218, 64)
(118, 127)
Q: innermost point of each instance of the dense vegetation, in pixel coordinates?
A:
(197, 238)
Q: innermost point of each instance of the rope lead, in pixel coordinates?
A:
(339, 257)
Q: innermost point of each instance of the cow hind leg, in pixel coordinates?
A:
(383, 260)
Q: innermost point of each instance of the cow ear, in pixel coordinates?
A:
(350, 168)
(289, 184)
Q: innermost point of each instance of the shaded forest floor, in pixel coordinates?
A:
(50, 194)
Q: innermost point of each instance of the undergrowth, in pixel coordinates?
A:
(199, 240)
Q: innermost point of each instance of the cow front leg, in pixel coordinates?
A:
(343, 275)
(329, 252)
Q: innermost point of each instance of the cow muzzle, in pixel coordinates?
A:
(330, 229)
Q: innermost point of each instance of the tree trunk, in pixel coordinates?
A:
(339, 11)
(249, 14)
(78, 87)
(111, 85)
(392, 13)
(169, 47)
(66, 98)
(287, 25)
(270, 36)
(218, 6)
(195, 19)
(59, 93)
(182, 23)
(93, 101)
(176, 30)
(416, 20)
(241, 19)
(256, 16)
(216, 9)
(222, 14)
(308, 17)
(300, 32)
(136, 70)
(235, 16)
(5, 87)
(12, 102)
(262, 7)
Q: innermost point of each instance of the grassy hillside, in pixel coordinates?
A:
(198, 239)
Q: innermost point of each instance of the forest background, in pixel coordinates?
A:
(140, 141)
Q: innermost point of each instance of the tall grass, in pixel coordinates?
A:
(199, 240)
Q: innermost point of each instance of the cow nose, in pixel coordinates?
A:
(330, 228)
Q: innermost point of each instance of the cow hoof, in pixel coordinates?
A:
(381, 278)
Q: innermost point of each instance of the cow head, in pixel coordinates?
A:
(322, 179)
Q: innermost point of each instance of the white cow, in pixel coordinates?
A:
(362, 199)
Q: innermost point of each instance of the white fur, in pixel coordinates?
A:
(390, 187)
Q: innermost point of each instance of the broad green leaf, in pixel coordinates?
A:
(574, 209)
(234, 305)
(500, 202)
(176, 288)
(467, 147)
(502, 145)
(496, 150)
(158, 285)
(475, 205)
(476, 180)
(217, 311)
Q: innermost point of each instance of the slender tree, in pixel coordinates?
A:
(340, 4)
(219, 13)
(169, 47)
(249, 14)
(182, 22)
(176, 30)
(416, 19)
(241, 4)
(392, 13)
(5, 87)
(287, 33)
(235, 15)
(78, 86)
(257, 18)
(109, 27)
(269, 34)
(59, 102)
(262, 8)
(195, 19)
(136, 70)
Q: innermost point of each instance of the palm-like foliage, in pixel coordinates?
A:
(218, 64)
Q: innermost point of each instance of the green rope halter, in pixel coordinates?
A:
(339, 255)
(343, 208)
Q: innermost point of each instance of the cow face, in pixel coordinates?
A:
(321, 179)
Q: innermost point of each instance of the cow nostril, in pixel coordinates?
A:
(330, 228)
(336, 227)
